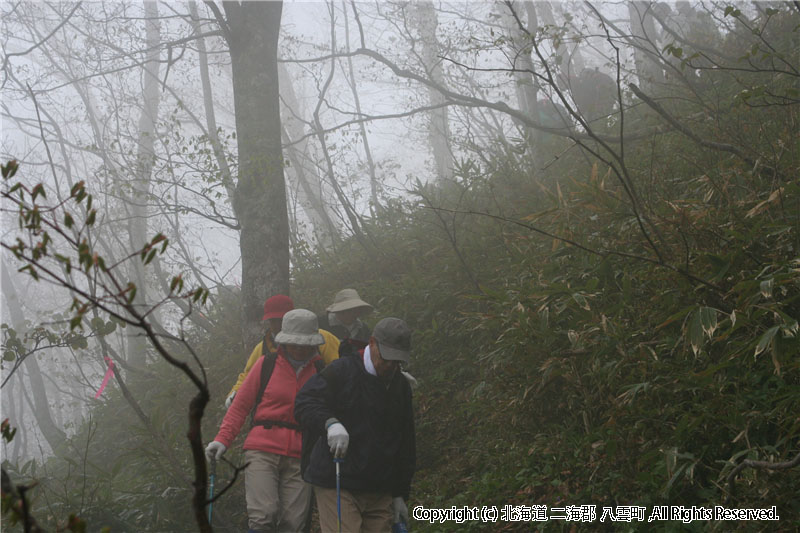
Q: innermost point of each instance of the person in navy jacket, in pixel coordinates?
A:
(359, 410)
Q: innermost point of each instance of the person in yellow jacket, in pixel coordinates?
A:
(274, 309)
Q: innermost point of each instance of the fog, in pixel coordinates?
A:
(194, 159)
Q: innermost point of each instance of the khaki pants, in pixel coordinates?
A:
(277, 498)
(362, 512)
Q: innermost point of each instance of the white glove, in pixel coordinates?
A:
(214, 450)
(229, 399)
(411, 380)
(399, 510)
(338, 439)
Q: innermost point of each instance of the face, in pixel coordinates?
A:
(349, 316)
(275, 325)
(300, 352)
(384, 368)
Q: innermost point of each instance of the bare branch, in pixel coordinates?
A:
(758, 465)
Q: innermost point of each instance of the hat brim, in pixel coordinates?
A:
(268, 316)
(393, 354)
(301, 340)
(349, 304)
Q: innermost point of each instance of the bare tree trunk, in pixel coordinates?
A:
(310, 186)
(208, 101)
(260, 200)
(15, 419)
(424, 18)
(137, 223)
(526, 89)
(373, 178)
(41, 403)
(349, 208)
(574, 62)
(643, 30)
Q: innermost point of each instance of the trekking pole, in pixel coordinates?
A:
(211, 488)
(338, 461)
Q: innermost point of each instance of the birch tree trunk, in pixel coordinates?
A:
(304, 171)
(137, 222)
(208, 106)
(424, 18)
(41, 403)
(351, 79)
(643, 30)
(526, 89)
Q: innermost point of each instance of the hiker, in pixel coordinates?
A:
(343, 318)
(358, 409)
(274, 309)
(277, 498)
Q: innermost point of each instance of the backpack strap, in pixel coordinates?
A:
(266, 374)
(264, 350)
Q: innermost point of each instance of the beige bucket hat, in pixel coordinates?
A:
(347, 299)
(300, 327)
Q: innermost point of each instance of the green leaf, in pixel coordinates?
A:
(732, 12)
(131, 290)
(177, 283)
(78, 187)
(10, 168)
(75, 322)
(581, 301)
(109, 328)
(37, 190)
(766, 288)
(78, 342)
(694, 333)
(708, 319)
(31, 271)
(766, 339)
(76, 525)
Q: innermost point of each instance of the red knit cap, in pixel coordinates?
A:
(277, 306)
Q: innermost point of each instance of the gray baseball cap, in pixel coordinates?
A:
(300, 327)
(394, 339)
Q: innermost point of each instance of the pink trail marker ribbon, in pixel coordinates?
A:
(108, 375)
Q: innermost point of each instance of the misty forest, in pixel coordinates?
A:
(588, 213)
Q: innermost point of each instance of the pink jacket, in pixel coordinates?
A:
(277, 403)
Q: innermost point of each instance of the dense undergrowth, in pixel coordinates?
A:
(572, 351)
(553, 376)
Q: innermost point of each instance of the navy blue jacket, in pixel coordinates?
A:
(381, 452)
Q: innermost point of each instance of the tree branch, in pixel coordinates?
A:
(758, 465)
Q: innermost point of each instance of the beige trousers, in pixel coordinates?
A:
(362, 512)
(278, 500)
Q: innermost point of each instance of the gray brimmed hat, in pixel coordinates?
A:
(347, 299)
(300, 327)
(394, 339)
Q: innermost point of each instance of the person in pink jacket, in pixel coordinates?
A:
(278, 500)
